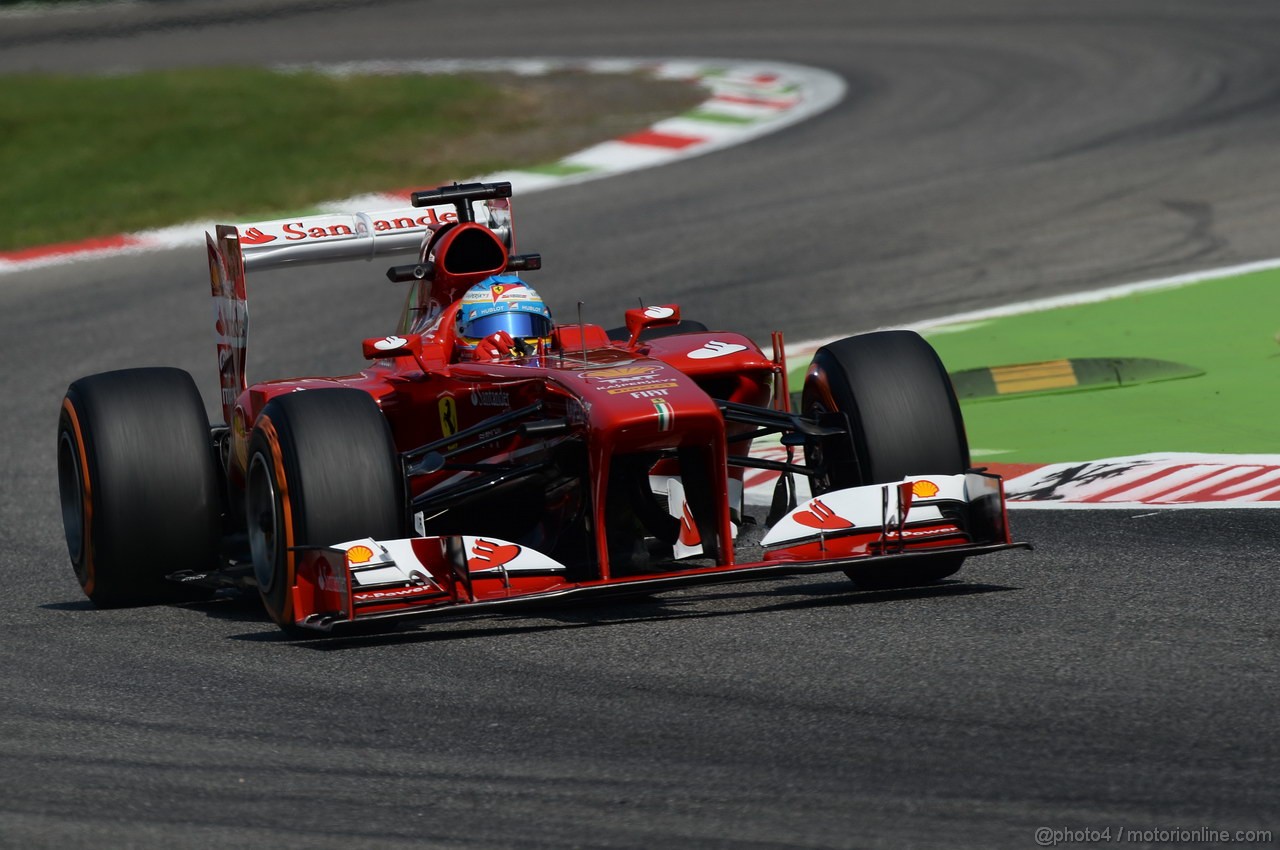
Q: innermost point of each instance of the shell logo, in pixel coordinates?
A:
(359, 555)
(924, 489)
(622, 372)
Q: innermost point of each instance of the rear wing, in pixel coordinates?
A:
(325, 237)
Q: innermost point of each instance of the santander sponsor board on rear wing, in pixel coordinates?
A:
(321, 237)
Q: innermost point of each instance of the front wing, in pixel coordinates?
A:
(917, 518)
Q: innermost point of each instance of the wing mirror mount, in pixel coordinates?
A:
(658, 316)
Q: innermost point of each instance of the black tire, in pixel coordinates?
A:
(138, 484)
(322, 469)
(905, 420)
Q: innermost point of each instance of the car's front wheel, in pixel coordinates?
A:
(322, 470)
(905, 420)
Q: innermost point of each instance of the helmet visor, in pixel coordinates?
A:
(518, 325)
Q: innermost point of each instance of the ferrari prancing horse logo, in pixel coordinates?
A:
(496, 290)
(448, 416)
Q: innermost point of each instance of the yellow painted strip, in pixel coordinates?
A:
(1032, 377)
(1051, 367)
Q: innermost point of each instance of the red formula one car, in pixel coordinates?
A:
(580, 461)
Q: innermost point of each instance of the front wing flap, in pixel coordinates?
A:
(919, 517)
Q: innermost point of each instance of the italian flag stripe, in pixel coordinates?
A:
(666, 416)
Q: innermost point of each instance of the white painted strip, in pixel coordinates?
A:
(1108, 294)
(730, 109)
(619, 66)
(695, 129)
(616, 157)
(965, 321)
(530, 182)
(682, 69)
(773, 103)
(177, 236)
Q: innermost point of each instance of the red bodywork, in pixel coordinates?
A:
(594, 407)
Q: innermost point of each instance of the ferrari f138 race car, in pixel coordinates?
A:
(570, 461)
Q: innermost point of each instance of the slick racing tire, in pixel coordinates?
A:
(904, 420)
(322, 470)
(138, 484)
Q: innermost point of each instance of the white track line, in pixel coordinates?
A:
(964, 321)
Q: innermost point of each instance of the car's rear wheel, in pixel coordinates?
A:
(322, 470)
(137, 483)
(905, 420)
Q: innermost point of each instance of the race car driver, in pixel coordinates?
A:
(499, 317)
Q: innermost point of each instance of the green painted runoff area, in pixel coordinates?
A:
(1226, 327)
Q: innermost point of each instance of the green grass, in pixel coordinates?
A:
(83, 157)
(1228, 327)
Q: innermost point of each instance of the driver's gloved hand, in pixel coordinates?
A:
(494, 347)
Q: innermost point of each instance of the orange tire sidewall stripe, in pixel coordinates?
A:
(285, 616)
(817, 380)
(86, 502)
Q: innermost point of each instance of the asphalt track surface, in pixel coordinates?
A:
(1123, 674)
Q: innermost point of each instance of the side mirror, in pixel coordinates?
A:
(384, 347)
(657, 316)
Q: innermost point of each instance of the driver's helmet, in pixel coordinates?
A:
(502, 302)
